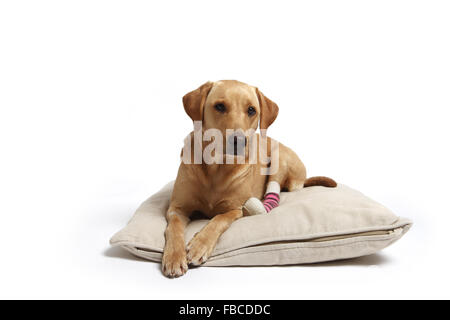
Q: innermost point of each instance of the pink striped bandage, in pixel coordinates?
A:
(271, 200)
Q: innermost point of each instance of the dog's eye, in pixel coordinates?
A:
(251, 111)
(220, 107)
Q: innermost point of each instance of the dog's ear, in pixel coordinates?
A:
(194, 101)
(269, 110)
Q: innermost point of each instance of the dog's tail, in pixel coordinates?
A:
(320, 181)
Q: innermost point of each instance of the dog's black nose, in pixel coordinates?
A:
(236, 144)
(237, 140)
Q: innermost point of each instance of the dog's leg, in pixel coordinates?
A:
(203, 243)
(271, 200)
(289, 176)
(272, 195)
(174, 263)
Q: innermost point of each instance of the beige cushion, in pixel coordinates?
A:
(314, 224)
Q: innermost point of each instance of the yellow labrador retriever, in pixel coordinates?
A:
(235, 181)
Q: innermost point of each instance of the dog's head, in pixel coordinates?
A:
(232, 107)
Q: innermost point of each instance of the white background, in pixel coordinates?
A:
(91, 123)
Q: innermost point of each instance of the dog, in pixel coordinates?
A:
(225, 192)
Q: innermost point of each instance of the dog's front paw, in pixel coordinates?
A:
(174, 263)
(199, 249)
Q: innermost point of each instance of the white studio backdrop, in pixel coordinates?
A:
(91, 123)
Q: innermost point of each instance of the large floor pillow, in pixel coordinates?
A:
(314, 224)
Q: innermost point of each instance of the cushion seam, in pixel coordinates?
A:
(294, 248)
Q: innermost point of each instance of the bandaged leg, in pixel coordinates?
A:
(271, 200)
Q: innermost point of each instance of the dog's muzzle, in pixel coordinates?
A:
(236, 144)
